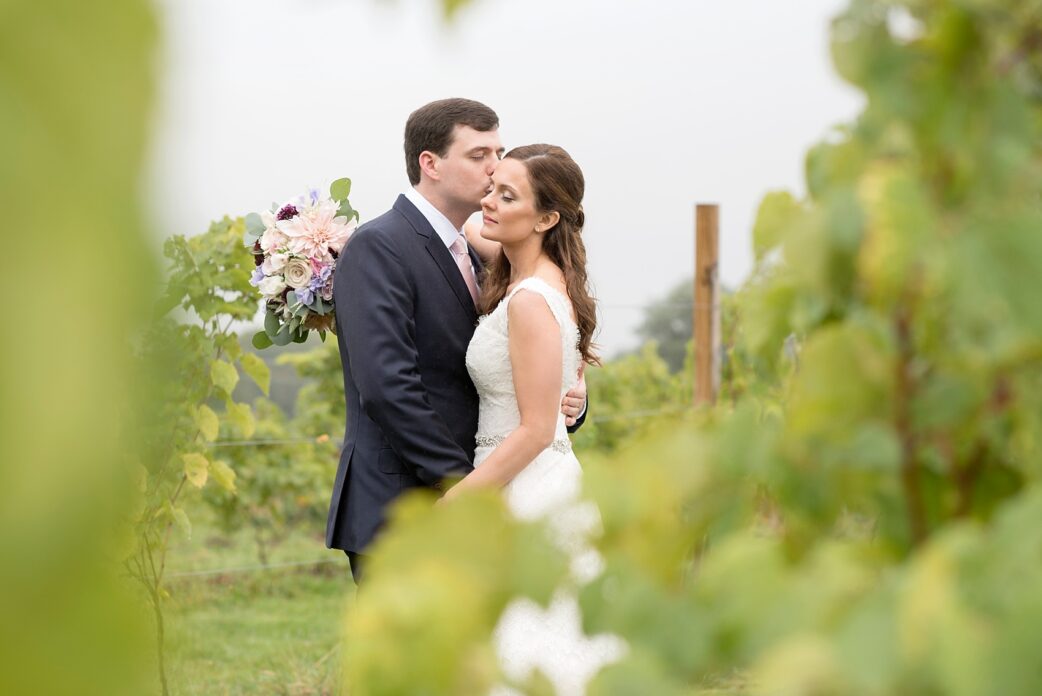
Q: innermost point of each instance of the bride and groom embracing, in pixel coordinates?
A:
(429, 396)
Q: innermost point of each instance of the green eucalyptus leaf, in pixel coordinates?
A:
(345, 210)
(340, 189)
(261, 340)
(254, 225)
(282, 337)
(271, 324)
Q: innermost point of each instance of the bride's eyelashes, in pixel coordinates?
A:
(505, 197)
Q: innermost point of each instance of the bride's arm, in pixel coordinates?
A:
(486, 248)
(536, 361)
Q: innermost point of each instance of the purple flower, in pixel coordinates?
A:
(288, 211)
(257, 277)
(314, 196)
(306, 295)
(320, 278)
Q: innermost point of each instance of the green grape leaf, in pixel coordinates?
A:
(196, 467)
(207, 422)
(776, 211)
(224, 475)
(241, 416)
(224, 375)
(180, 517)
(258, 370)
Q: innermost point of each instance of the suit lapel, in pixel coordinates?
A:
(479, 267)
(440, 254)
(443, 257)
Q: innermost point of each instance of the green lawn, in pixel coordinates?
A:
(250, 631)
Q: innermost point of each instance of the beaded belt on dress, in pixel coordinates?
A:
(563, 445)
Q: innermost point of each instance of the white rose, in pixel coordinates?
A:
(298, 273)
(272, 286)
(273, 238)
(274, 263)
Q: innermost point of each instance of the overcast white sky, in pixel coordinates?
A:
(662, 103)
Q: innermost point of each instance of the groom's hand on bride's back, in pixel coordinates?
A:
(573, 405)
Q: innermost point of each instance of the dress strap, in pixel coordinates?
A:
(558, 304)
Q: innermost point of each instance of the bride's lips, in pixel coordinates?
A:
(487, 219)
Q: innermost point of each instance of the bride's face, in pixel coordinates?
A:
(508, 210)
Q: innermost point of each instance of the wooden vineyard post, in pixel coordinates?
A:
(707, 308)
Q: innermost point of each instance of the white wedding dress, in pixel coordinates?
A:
(528, 636)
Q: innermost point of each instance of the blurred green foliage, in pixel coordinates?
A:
(860, 514)
(282, 479)
(187, 362)
(75, 92)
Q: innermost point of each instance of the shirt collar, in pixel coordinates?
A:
(439, 222)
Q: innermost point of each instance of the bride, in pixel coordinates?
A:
(527, 352)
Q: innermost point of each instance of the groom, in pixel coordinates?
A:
(406, 290)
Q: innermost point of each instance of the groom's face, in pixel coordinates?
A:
(466, 169)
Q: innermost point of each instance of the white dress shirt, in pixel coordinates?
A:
(446, 232)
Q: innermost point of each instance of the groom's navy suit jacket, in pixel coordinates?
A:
(404, 318)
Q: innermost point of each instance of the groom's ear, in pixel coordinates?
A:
(429, 165)
(547, 220)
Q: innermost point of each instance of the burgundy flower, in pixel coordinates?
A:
(258, 254)
(288, 211)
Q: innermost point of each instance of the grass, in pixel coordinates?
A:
(251, 631)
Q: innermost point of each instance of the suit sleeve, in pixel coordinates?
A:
(374, 306)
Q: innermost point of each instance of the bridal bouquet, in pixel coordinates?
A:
(295, 247)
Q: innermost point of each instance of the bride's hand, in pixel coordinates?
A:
(446, 497)
(486, 249)
(575, 400)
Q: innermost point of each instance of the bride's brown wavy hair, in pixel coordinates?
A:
(558, 185)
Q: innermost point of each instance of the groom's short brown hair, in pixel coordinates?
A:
(431, 126)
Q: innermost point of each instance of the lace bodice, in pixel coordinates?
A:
(488, 361)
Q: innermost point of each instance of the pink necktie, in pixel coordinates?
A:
(459, 250)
